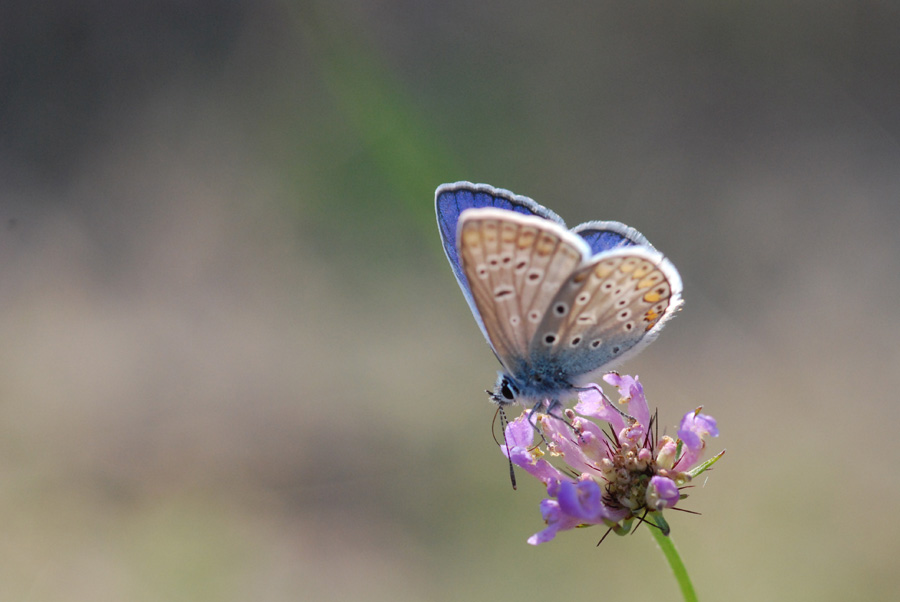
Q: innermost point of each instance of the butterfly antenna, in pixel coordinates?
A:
(494, 427)
(503, 423)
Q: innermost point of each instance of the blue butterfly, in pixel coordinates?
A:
(558, 306)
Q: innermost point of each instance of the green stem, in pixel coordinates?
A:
(668, 549)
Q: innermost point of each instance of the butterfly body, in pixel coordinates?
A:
(557, 306)
(535, 381)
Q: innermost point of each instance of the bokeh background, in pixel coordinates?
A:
(234, 364)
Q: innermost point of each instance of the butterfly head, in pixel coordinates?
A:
(505, 392)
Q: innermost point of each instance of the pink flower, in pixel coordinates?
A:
(694, 430)
(611, 476)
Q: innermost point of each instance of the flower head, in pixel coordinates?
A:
(611, 476)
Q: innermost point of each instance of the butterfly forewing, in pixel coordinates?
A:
(450, 200)
(515, 266)
(608, 310)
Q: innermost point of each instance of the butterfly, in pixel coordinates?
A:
(557, 306)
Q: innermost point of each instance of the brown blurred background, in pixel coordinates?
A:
(234, 364)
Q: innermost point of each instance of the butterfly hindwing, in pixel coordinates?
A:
(515, 266)
(608, 309)
(605, 236)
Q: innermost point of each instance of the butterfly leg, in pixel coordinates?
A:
(532, 418)
(553, 406)
(556, 404)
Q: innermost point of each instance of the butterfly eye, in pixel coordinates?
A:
(506, 391)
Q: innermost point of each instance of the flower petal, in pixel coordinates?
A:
(556, 521)
(632, 391)
(662, 493)
(695, 429)
(540, 469)
(592, 403)
(582, 500)
(519, 433)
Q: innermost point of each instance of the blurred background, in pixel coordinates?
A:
(235, 365)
